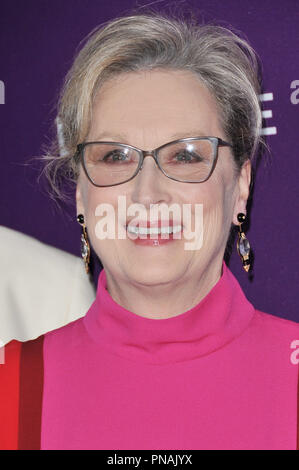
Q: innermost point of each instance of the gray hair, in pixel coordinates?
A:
(224, 62)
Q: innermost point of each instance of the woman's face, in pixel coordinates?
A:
(147, 110)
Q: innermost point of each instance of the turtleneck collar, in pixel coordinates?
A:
(216, 320)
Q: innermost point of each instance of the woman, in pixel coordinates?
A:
(171, 355)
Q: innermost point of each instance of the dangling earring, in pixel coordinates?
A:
(243, 245)
(85, 247)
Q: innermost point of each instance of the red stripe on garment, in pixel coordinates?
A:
(9, 396)
(31, 391)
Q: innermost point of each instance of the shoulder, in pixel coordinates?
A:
(30, 273)
(274, 328)
(275, 336)
(274, 323)
(66, 337)
(19, 241)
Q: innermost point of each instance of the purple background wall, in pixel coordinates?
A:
(38, 41)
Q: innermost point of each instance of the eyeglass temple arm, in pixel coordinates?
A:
(78, 152)
(222, 143)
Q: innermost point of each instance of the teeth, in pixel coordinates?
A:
(154, 230)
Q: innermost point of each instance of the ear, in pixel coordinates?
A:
(243, 184)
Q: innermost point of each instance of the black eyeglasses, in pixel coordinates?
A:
(189, 160)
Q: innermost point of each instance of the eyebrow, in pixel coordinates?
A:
(122, 138)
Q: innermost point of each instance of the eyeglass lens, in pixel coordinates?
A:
(108, 164)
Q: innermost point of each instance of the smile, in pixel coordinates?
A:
(154, 230)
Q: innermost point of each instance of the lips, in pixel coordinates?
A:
(153, 223)
(150, 230)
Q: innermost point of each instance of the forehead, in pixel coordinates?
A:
(154, 104)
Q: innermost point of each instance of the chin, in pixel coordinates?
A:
(153, 275)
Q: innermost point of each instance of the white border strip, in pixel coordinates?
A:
(266, 97)
(269, 131)
(267, 113)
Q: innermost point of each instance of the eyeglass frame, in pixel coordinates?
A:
(216, 143)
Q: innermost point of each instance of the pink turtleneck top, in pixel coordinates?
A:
(221, 375)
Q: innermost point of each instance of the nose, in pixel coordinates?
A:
(147, 153)
(150, 184)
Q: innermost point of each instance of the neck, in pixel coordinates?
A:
(165, 300)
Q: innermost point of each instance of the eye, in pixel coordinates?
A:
(115, 156)
(187, 156)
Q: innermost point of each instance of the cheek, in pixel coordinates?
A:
(100, 204)
(216, 200)
(91, 199)
(213, 213)
(95, 197)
